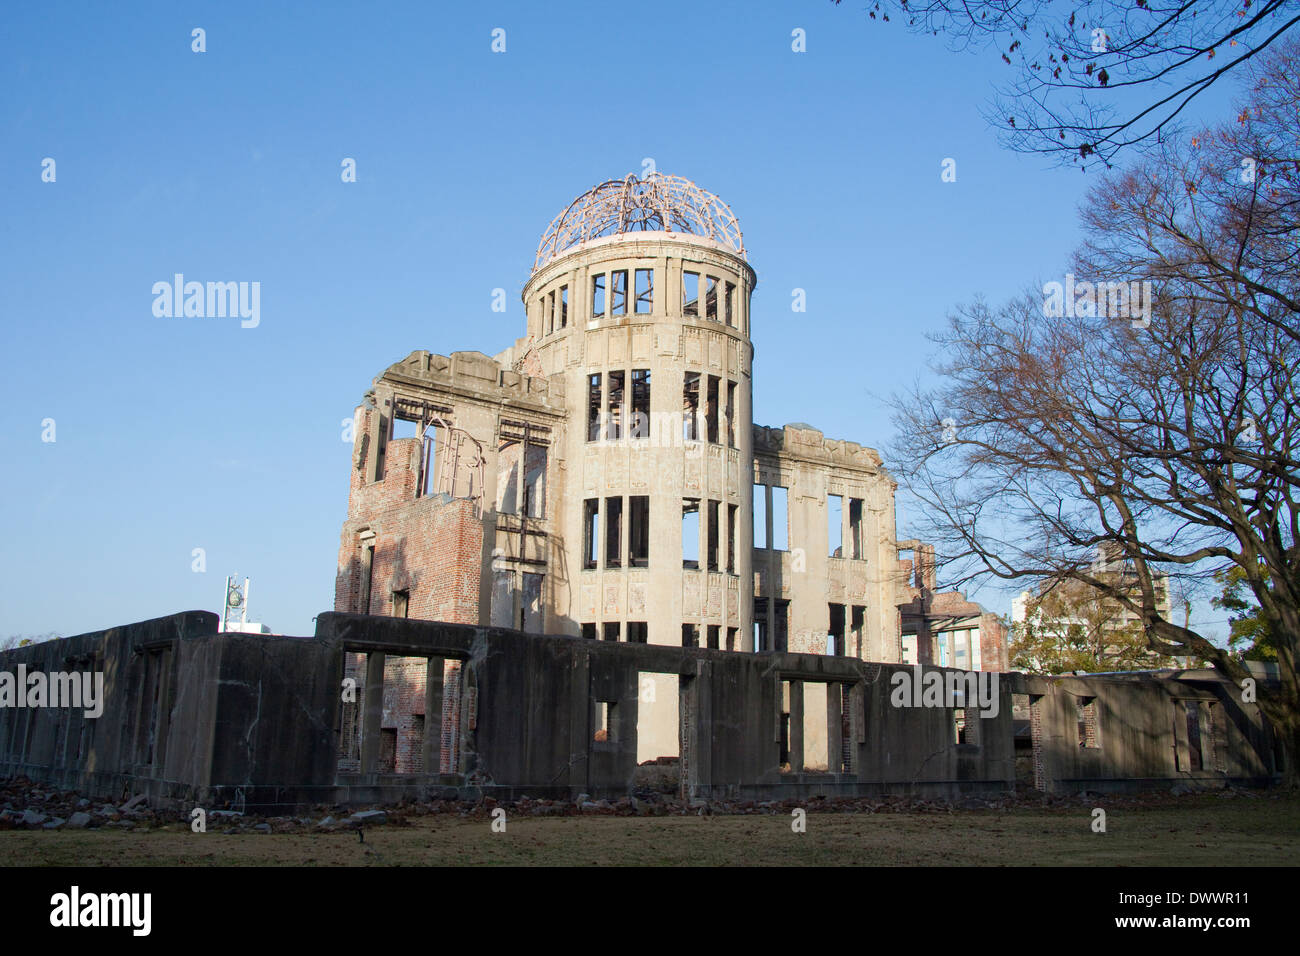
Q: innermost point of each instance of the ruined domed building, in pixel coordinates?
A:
(603, 476)
(579, 569)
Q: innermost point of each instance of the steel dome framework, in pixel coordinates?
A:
(657, 203)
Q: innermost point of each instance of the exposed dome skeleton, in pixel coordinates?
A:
(657, 203)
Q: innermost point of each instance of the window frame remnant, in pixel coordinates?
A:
(836, 629)
(1088, 720)
(604, 722)
(690, 306)
(732, 511)
(731, 414)
(591, 533)
(638, 531)
(640, 422)
(618, 292)
(855, 528)
(711, 409)
(691, 406)
(645, 293)
(595, 408)
(713, 535)
(614, 532)
(598, 299)
(615, 381)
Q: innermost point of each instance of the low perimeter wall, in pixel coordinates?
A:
(191, 716)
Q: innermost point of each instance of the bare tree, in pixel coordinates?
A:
(1096, 76)
(1149, 406)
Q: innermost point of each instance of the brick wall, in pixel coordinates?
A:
(431, 547)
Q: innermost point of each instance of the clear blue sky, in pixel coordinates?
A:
(182, 433)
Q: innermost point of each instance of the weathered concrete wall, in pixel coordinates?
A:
(200, 718)
(853, 566)
(1142, 732)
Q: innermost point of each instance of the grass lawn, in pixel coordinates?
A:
(1200, 830)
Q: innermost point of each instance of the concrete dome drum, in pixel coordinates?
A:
(657, 203)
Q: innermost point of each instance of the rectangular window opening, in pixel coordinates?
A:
(728, 298)
(535, 481)
(855, 527)
(780, 527)
(760, 516)
(613, 532)
(715, 631)
(731, 414)
(605, 722)
(618, 293)
(404, 428)
(638, 531)
(638, 632)
(589, 631)
(691, 293)
(614, 429)
(591, 532)
(508, 455)
(711, 409)
(1194, 752)
(857, 627)
(835, 636)
(613, 630)
(711, 298)
(658, 733)
(564, 306)
(593, 407)
(640, 403)
(691, 406)
(690, 635)
(713, 535)
(834, 525)
(645, 291)
(598, 296)
(691, 533)
(1085, 709)
(401, 603)
(732, 511)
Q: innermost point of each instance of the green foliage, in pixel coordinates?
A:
(1071, 627)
